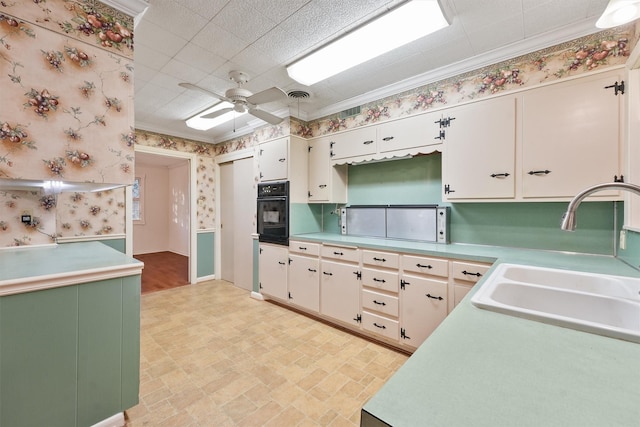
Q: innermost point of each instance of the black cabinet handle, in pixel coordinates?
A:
(379, 280)
(326, 273)
(424, 266)
(432, 297)
(322, 185)
(544, 172)
(468, 273)
(368, 142)
(499, 175)
(338, 253)
(379, 259)
(379, 303)
(387, 138)
(302, 248)
(281, 263)
(312, 270)
(379, 326)
(282, 160)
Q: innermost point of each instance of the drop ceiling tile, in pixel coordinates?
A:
(242, 20)
(541, 19)
(183, 71)
(199, 58)
(219, 41)
(175, 18)
(159, 39)
(149, 57)
(475, 15)
(280, 45)
(255, 62)
(487, 38)
(206, 8)
(276, 10)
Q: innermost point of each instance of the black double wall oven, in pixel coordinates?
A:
(273, 212)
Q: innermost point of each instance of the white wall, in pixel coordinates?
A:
(178, 226)
(153, 235)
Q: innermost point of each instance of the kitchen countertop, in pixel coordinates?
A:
(25, 269)
(481, 368)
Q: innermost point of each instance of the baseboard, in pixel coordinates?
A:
(257, 295)
(205, 278)
(115, 421)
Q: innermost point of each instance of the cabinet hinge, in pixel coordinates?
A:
(441, 135)
(260, 285)
(445, 122)
(448, 190)
(358, 275)
(617, 88)
(260, 152)
(308, 193)
(290, 297)
(358, 318)
(260, 250)
(403, 334)
(403, 283)
(309, 149)
(616, 179)
(290, 261)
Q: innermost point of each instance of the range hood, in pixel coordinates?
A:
(54, 187)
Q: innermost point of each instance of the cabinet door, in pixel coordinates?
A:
(570, 137)
(424, 307)
(319, 168)
(340, 292)
(358, 142)
(479, 150)
(272, 158)
(411, 132)
(304, 282)
(272, 270)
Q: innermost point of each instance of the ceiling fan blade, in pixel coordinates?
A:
(203, 90)
(216, 113)
(267, 95)
(266, 116)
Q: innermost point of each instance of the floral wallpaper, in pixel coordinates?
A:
(67, 113)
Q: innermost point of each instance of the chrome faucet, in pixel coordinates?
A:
(569, 217)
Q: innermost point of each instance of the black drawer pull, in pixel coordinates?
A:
(387, 138)
(544, 172)
(379, 303)
(338, 253)
(322, 185)
(423, 266)
(379, 326)
(326, 273)
(432, 297)
(302, 248)
(379, 259)
(282, 160)
(281, 263)
(468, 273)
(499, 175)
(312, 270)
(379, 280)
(368, 142)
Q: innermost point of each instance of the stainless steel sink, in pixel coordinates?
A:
(597, 303)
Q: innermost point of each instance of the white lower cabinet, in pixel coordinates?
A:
(340, 291)
(272, 273)
(464, 275)
(380, 303)
(304, 282)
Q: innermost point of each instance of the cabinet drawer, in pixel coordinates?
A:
(430, 266)
(375, 301)
(379, 279)
(341, 252)
(469, 272)
(380, 325)
(304, 248)
(380, 259)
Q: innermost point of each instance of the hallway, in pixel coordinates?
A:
(163, 270)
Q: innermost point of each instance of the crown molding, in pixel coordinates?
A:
(130, 7)
(552, 38)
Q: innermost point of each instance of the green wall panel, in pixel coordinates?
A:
(99, 350)
(631, 254)
(206, 245)
(305, 218)
(130, 376)
(38, 333)
(117, 244)
(256, 276)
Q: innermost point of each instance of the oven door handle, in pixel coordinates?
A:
(272, 199)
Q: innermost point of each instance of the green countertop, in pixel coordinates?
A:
(481, 368)
(33, 268)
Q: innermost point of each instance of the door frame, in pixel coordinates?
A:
(193, 206)
(225, 158)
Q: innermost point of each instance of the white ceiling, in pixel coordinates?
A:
(200, 41)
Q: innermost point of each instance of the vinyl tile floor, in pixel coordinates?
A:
(213, 356)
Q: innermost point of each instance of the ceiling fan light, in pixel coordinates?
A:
(197, 122)
(619, 12)
(404, 24)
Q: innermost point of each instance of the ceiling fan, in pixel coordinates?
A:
(243, 100)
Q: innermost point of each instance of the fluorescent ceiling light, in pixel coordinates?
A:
(404, 24)
(619, 12)
(197, 122)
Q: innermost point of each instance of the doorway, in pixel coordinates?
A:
(165, 227)
(237, 214)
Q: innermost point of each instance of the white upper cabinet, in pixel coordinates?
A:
(410, 132)
(327, 183)
(479, 151)
(273, 159)
(354, 143)
(571, 136)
